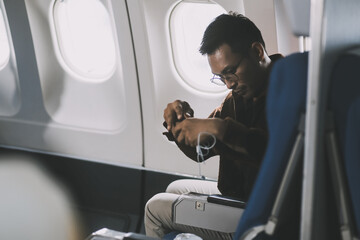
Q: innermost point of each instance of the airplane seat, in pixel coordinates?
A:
(352, 156)
(285, 105)
(274, 207)
(343, 119)
(345, 104)
(344, 109)
(33, 205)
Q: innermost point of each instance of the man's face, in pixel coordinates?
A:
(241, 74)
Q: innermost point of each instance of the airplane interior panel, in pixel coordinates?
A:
(10, 103)
(89, 87)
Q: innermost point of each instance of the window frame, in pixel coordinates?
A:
(6, 41)
(206, 86)
(67, 64)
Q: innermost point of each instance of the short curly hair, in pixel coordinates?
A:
(234, 29)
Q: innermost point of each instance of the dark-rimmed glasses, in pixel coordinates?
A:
(230, 76)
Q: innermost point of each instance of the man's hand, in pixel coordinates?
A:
(187, 131)
(176, 112)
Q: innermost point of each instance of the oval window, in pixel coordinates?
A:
(4, 43)
(85, 37)
(188, 22)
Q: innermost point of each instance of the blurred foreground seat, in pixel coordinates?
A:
(32, 205)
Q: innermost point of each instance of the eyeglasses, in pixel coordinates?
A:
(230, 76)
(220, 80)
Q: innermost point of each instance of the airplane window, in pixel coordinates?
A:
(188, 22)
(4, 43)
(85, 37)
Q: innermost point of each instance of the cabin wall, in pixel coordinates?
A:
(102, 136)
(116, 119)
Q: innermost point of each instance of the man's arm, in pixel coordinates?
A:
(174, 113)
(239, 140)
(233, 139)
(185, 134)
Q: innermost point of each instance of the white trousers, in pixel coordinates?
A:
(158, 210)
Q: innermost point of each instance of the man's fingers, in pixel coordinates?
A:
(175, 112)
(167, 126)
(179, 110)
(180, 137)
(188, 111)
(169, 136)
(170, 116)
(183, 110)
(168, 121)
(175, 130)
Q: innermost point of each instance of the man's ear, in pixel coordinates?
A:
(258, 51)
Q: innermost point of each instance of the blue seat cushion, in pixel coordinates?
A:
(285, 104)
(171, 235)
(345, 103)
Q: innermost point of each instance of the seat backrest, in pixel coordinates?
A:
(33, 205)
(345, 103)
(285, 105)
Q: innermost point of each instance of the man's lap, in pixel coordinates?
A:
(193, 185)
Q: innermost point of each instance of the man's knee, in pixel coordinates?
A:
(153, 204)
(192, 185)
(179, 186)
(160, 205)
(158, 214)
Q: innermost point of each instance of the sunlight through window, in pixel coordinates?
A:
(85, 37)
(188, 22)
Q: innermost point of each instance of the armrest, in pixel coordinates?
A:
(225, 200)
(196, 210)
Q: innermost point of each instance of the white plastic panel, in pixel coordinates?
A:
(4, 43)
(9, 86)
(63, 113)
(262, 13)
(287, 42)
(299, 16)
(70, 99)
(161, 83)
(271, 18)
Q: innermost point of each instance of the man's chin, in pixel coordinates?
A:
(239, 92)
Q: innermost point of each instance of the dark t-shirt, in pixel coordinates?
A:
(239, 167)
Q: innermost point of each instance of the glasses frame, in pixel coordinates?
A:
(221, 78)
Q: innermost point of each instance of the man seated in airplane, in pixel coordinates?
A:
(238, 59)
